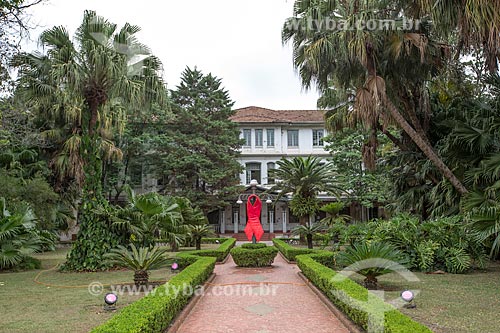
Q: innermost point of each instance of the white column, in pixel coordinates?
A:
(235, 221)
(284, 220)
(222, 221)
(271, 220)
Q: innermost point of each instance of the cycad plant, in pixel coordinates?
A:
(371, 260)
(308, 231)
(197, 232)
(140, 260)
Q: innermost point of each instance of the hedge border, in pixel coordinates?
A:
(156, 311)
(327, 258)
(323, 278)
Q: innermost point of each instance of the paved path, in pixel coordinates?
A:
(260, 300)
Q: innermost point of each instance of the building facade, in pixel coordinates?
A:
(270, 135)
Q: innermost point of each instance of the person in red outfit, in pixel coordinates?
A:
(254, 228)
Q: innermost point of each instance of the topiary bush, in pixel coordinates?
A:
(254, 257)
(253, 246)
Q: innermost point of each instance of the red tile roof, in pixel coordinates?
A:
(255, 114)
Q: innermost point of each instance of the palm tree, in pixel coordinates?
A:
(305, 178)
(140, 260)
(334, 217)
(91, 82)
(363, 65)
(308, 231)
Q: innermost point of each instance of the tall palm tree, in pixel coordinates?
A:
(363, 63)
(304, 178)
(91, 81)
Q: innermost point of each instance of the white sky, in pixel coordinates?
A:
(238, 41)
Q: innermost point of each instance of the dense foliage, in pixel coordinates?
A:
(440, 244)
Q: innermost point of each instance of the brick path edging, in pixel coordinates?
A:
(348, 323)
(179, 319)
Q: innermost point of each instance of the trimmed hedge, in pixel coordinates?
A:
(213, 240)
(342, 291)
(256, 257)
(327, 258)
(154, 312)
(220, 253)
(253, 246)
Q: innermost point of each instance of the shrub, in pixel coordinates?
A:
(445, 243)
(254, 257)
(352, 298)
(253, 246)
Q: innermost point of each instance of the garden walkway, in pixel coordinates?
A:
(259, 300)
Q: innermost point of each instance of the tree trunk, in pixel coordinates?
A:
(94, 111)
(198, 243)
(309, 241)
(141, 278)
(426, 148)
(303, 220)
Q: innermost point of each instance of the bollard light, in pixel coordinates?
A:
(110, 300)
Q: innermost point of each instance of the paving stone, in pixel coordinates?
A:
(261, 309)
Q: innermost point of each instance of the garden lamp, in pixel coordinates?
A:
(110, 300)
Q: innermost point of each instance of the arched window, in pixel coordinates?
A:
(253, 172)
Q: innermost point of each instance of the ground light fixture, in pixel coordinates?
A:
(174, 267)
(408, 297)
(110, 300)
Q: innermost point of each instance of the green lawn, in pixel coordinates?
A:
(452, 302)
(26, 306)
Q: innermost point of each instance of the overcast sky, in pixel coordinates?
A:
(238, 41)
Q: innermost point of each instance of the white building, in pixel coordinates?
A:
(271, 135)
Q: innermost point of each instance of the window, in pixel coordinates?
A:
(247, 135)
(270, 137)
(293, 138)
(270, 178)
(318, 138)
(258, 137)
(253, 172)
